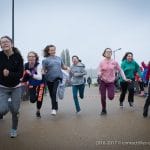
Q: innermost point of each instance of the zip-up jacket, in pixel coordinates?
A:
(14, 64)
(77, 73)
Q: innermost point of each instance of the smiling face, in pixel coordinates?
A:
(52, 51)
(108, 53)
(129, 57)
(75, 60)
(33, 58)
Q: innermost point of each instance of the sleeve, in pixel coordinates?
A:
(137, 69)
(20, 68)
(143, 65)
(99, 69)
(38, 76)
(120, 70)
(81, 73)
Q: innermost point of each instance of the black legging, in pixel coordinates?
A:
(124, 87)
(36, 95)
(141, 85)
(52, 87)
(147, 102)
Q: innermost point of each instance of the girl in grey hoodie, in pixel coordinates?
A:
(77, 72)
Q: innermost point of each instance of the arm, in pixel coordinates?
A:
(137, 69)
(19, 72)
(121, 72)
(99, 70)
(143, 65)
(38, 76)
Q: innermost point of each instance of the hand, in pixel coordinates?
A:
(6, 72)
(68, 69)
(76, 74)
(140, 79)
(28, 72)
(128, 80)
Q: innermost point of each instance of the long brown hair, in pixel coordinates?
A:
(46, 49)
(126, 54)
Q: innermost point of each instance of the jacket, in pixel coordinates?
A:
(14, 64)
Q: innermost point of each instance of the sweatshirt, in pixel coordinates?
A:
(130, 68)
(77, 73)
(107, 69)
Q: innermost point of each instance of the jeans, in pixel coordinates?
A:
(75, 89)
(15, 95)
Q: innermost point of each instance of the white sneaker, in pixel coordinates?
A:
(13, 133)
(53, 112)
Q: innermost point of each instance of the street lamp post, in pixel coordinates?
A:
(114, 51)
(13, 21)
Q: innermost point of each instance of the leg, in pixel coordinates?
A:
(131, 92)
(4, 95)
(15, 105)
(81, 90)
(102, 90)
(147, 103)
(33, 93)
(124, 86)
(111, 90)
(40, 93)
(75, 89)
(52, 87)
(141, 84)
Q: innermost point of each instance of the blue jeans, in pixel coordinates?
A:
(13, 106)
(75, 89)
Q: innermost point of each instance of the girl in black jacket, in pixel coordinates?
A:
(11, 70)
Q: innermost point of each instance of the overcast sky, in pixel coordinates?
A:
(85, 27)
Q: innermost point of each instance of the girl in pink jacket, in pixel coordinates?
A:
(106, 73)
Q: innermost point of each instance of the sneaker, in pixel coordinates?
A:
(145, 112)
(77, 112)
(104, 112)
(1, 116)
(131, 104)
(38, 114)
(13, 133)
(53, 112)
(121, 104)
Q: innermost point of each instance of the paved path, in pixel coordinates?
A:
(121, 129)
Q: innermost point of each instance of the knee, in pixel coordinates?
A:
(75, 97)
(111, 97)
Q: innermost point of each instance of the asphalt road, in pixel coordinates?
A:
(121, 129)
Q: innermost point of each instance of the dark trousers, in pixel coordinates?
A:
(52, 87)
(110, 88)
(36, 95)
(124, 87)
(141, 85)
(147, 102)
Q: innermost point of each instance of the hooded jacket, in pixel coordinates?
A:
(77, 73)
(14, 64)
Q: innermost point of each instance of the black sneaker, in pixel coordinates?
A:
(121, 104)
(38, 114)
(145, 112)
(1, 116)
(104, 112)
(131, 104)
